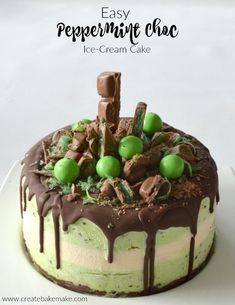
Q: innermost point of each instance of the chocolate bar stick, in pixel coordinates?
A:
(139, 118)
(108, 87)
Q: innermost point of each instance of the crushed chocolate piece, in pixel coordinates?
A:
(79, 142)
(184, 151)
(74, 155)
(123, 190)
(76, 193)
(136, 168)
(125, 127)
(87, 165)
(93, 146)
(139, 118)
(106, 190)
(154, 188)
(45, 146)
(171, 137)
(94, 127)
(92, 132)
(158, 138)
(107, 145)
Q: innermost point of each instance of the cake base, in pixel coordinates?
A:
(87, 290)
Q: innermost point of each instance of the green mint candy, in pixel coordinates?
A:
(108, 166)
(130, 146)
(152, 123)
(66, 170)
(172, 166)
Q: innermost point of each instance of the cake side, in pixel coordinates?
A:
(84, 251)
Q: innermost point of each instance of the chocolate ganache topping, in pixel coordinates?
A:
(123, 174)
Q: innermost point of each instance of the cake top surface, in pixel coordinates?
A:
(123, 162)
(123, 174)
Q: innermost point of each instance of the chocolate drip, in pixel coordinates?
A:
(212, 201)
(24, 195)
(175, 212)
(41, 233)
(21, 191)
(149, 260)
(146, 265)
(110, 250)
(191, 256)
(217, 197)
(56, 215)
(152, 264)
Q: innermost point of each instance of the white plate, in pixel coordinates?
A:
(214, 285)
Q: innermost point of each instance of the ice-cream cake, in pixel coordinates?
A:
(119, 206)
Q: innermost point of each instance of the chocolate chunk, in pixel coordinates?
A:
(92, 138)
(93, 128)
(107, 143)
(184, 151)
(108, 110)
(106, 190)
(87, 165)
(154, 188)
(123, 190)
(158, 138)
(125, 127)
(79, 142)
(106, 84)
(136, 168)
(139, 118)
(76, 193)
(45, 146)
(93, 146)
(74, 155)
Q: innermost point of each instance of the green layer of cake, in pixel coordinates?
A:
(85, 234)
(111, 282)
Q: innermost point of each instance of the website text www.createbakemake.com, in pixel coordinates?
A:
(43, 299)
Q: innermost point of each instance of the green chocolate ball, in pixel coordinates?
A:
(130, 146)
(66, 170)
(108, 166)
(80, 126)
(152, 123)
(171, 166)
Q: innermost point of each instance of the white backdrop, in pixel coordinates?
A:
(47, 82)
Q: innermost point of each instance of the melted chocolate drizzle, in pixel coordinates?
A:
(176, 212)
